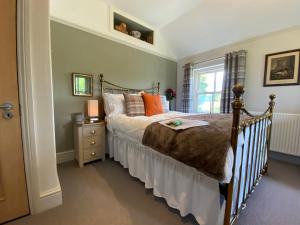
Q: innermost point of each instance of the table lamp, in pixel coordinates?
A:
(92, 110)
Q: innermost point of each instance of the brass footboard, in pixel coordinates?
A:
(251, 158)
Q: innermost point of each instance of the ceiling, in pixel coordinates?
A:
(156, 13)
(194, 26)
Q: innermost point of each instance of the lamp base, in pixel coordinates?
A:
(93, 120)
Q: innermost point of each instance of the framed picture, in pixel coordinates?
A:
(82, 84)
(282, 68)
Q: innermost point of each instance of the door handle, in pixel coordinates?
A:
(7, 114)
(6, 106)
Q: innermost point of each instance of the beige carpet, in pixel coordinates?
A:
(276, 201)
(103, 193)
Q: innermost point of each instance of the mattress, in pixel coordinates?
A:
(132, 128)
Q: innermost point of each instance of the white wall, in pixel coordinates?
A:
(95, 16)
(256, 96)
(37, 104)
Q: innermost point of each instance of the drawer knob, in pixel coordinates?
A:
(93, 154)
(93, 132)
(93, 142)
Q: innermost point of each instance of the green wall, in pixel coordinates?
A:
(74, 50)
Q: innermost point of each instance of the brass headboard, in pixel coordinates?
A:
(108, 87)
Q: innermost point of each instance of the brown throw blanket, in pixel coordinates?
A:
(204, 148)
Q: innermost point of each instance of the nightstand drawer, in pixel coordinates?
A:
(90, 154)
(89, 142)
(93, 131)
(93, 142)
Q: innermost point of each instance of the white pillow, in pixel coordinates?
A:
(165, 103)
(114, 104)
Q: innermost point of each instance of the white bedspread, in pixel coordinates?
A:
(133, 128)
(183, 187)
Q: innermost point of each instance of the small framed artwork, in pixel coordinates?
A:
(82, 84)
(282, 68)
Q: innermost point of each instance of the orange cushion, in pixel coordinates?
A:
(152, 104)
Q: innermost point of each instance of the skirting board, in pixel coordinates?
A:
(285, 157)
(49, 199)
(66, 156)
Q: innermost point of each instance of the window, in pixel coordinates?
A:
(207, 88)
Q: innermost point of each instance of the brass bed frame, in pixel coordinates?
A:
(253, 155)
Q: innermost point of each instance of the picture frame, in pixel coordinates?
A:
(82, 84)
(282, 68)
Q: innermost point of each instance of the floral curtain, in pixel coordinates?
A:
(234, 73)
(187, 88)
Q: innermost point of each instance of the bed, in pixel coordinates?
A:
(185, 188)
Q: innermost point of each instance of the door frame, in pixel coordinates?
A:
(25, 95)
(41, 196)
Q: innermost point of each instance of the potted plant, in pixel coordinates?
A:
(170, 95)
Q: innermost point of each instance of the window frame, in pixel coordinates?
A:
(205, 70)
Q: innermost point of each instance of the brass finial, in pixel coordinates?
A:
(272, 97)
(238, 90)
(272, 102)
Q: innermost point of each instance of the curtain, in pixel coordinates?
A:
(187, 89)
(234, 73)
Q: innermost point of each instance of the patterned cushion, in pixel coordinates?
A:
(134, 105)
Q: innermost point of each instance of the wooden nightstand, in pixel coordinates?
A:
(89, 142)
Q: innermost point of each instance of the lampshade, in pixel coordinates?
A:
(92, 108)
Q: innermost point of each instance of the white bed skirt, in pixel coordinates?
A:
(184, 188)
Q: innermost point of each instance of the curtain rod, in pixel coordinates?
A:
(209, 60)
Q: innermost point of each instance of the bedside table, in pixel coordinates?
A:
(89, 142)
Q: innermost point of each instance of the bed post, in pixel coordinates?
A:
(101, 84)
(271, 110)
(101, 102)
(158, 87)
(237, 105)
